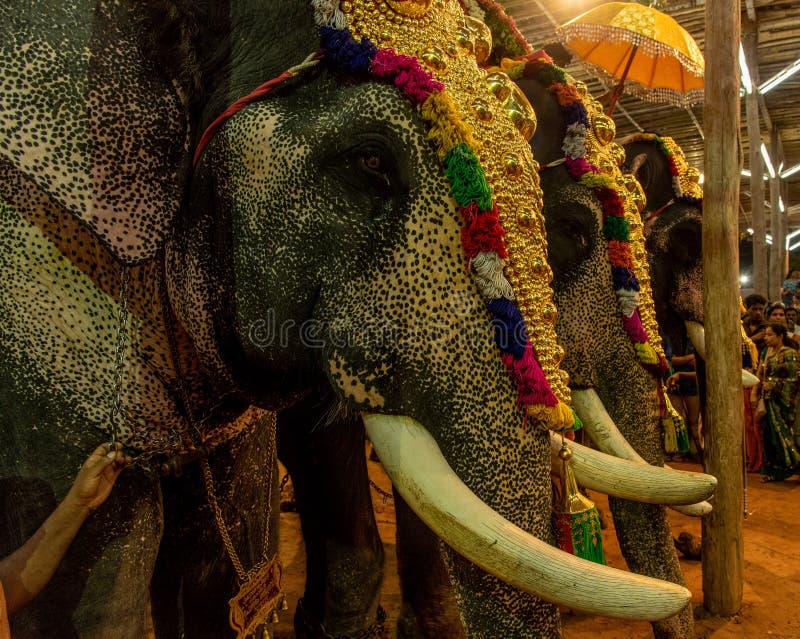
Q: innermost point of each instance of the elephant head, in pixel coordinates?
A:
(305, 214)
(673, 228)
(606, 321)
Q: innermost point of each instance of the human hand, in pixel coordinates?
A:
(672, 381)
(96, 478)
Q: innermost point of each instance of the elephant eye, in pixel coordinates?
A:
(372, 162)
(570, 238)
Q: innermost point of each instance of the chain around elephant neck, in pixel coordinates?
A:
(119, 359)
(208, 480)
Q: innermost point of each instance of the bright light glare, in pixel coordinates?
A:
(767, 161)
(747, 83)
(779, 77)
(702, 178)
(768, 239)
(781, 207)
(794, 246)
(791, 171)
(744, 278)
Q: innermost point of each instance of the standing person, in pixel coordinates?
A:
(777, 372)
(792, 329)
(789, 288)
(682, 389)
(754, 324)
(753, 437)
(776, 314)
(28, 569)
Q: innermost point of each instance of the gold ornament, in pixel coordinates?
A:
(482, 38)
(521, 112)
(604, 128)
(499, 84)
(410, 8)
(507, 161)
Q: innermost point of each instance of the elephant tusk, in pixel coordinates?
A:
(697, 333)
(604, 432)
(435, 493)
(633, 480)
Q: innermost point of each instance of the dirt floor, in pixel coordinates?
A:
(771, 600)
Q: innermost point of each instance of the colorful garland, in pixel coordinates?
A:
(604, 184)
(482, 232)
(685, 178)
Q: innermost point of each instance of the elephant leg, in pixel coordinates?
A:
(196, 577)
(344, 552)
(646, 543)
(100, 590)
(429, 607)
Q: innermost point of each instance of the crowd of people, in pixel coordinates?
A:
(771, 412)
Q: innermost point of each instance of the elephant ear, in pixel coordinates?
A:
(649, 166)
(91, 121)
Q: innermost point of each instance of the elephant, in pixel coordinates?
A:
(673, 227)
(212, 213)
(605, 361)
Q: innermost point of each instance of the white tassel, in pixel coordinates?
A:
(628, 301)
(474, 10)
(488, 269)
(574, 144)
(328, 14)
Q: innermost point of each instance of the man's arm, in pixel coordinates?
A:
(27, 570)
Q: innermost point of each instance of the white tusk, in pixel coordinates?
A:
(632, 479)
(434, 492)
(697, 333)
(748, 379)
(606, 435)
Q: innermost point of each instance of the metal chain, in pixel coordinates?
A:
(119, 359)
(223, 528)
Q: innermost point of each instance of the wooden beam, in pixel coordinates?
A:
(751, 10)
(777, 223)
(760, 275)
(723, 551)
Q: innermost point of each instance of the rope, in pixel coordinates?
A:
(257, 93)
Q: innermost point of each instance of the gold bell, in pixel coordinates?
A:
(273, 617)
(284, 603)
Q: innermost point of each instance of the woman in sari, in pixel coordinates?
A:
(778, 387)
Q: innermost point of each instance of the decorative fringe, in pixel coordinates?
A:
(467, 180)
(558, 418)
(646, 354)
(575, 518)
(676, 436)
(488, 270)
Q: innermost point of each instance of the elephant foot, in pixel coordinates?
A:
(689, 546)
(307, 627)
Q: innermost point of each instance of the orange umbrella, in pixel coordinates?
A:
(637, 43)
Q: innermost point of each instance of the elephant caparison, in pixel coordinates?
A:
(262, 278)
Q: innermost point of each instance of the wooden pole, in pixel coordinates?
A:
(723, 553)
(777, 256)
(760, 280)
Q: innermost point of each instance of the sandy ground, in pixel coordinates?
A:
(771, 600)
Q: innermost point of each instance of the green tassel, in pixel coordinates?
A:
(576, 520)
(617, 228)
(467, 180)
(683, 440)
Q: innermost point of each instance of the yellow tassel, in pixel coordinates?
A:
(646, 353)
(448, 128)
(558, 417)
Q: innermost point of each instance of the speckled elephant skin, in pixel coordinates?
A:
(260, 280)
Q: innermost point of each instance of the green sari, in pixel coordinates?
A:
(781, 458)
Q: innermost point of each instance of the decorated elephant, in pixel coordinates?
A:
(214, 212)
(614, 361)
(673, 228)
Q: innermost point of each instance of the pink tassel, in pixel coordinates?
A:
(532, 385)
(633, 325)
